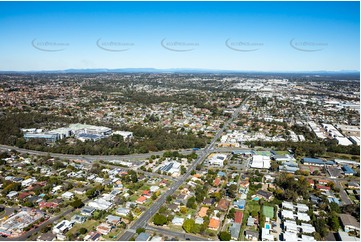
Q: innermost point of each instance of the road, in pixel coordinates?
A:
(180, 235)
(7, 212)
(144, 218)
(344, 198)
(90, 157)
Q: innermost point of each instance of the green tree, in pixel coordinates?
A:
(154, 196)
(183, 170)
(159, 219)
(188, 225)
(333, 221)
(231, 213)
(191, 203)
(140, 230)
(334, 207)
(224, 236)
(83, 230)
(77, 203)
(321, 227)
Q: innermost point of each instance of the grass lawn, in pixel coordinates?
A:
(268, 211)
(281, 152)
(252, 206)
(176, 228)
(113, 233)
(148, 202)
(342, 156)
(89, 224)
(133, 197)
(144, 187)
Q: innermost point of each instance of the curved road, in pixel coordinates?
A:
(89, 157)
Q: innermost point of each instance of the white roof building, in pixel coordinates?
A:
(307, 228)
(261, 162)
(57, 188)
(122, 211)
(100, 204)
(266, 235)
(288, 205)
(178, 221)
(286, 214)
(67, 195)
(303, 217)
(62, 227)
(28, 182)
(12, 194)
(217, 159)
(154, 188)
(307, 238)
(290, 226)
(125, 134)
(302, 207)
(343, 141)
(289, 236)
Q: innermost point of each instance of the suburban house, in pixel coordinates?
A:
(349, 223)
(266, 195)
(214, 223)
(223, 204)
(104, 228)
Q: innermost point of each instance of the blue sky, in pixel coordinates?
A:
(257, 36)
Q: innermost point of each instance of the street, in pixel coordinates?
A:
(180, 235)
(144, 218)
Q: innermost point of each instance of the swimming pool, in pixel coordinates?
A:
(267, 226)
(256, 198)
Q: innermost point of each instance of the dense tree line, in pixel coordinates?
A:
(311, 149)
(146, 139)
(10, 124)
(291, 189)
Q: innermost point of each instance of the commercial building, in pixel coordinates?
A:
(89, 129)
(261, 162)
(49, 138)
(217, 159)
(125, 134)
(172, 167)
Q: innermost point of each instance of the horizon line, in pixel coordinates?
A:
(152, 69)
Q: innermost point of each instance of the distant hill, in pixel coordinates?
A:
(344, 74)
